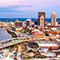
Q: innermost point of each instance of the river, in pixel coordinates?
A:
(4, 34)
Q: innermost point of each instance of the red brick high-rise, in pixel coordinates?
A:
(41, 19)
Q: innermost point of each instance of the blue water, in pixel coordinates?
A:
(23, 19)
(4, 34)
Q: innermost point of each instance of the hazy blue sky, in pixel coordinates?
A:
(28, 8)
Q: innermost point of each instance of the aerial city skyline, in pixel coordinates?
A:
(29, 29)
(30, 40)
(40, 21)
(28, 9)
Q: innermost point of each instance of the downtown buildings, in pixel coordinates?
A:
(41, 19)
(28, 22)
(18, 24)
(53, 19)
(39, 22)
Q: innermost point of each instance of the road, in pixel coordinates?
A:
(21, 39)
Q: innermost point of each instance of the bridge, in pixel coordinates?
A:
(17, 33)
(22, 39)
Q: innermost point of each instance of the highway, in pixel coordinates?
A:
(13, 43)
(21, 39)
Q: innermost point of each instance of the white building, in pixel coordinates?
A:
(53, 19)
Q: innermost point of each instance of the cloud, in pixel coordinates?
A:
(6, 3)
(14, 6)
(22, 7)
(36, 3)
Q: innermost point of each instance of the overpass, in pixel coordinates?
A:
(14, 43)
(13, 39)
(17, 33)
(22, 39)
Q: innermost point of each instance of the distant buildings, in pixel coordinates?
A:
(36, 21)
(53, 19)
(41, 19)
(18, 24)
(28, 22)
(59, 23)
(12, 23)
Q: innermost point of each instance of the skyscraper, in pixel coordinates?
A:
(36, 21)
(53, 19)
(41, 19)
(28, 22)
(18, 24)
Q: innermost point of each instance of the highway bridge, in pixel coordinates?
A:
(22, 39)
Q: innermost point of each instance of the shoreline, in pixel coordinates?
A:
(4, 34)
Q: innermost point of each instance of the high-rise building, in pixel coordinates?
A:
(28, 22)
(36, 21)
(18, 24)
(41, 19)
(59, 23)
(53, 19)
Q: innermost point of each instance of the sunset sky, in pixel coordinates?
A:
(28, 8)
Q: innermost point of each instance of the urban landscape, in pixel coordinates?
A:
(30, 38)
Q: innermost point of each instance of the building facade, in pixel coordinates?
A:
(41, 19)
(18, 24)
(36, 21)
(53, 19)
(28, 22)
